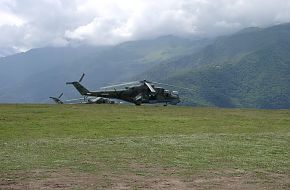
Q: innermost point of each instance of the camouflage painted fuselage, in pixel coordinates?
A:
(136, 94)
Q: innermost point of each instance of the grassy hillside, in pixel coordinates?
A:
(114, 146)
(31, 73)
(248, 69)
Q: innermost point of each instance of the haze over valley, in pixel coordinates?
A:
(227, 58)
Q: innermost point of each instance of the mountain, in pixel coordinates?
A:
(248, 69)
(33, 76)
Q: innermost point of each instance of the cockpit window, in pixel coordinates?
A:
(174, 92)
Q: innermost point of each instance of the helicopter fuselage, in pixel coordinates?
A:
(139, 94)
(144, 92)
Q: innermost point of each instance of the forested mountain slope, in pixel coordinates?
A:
(248, 69)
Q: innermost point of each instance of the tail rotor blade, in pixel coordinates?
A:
(82, 77)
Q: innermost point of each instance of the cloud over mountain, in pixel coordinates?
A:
(29, 24)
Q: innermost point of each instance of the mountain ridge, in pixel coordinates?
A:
(42, 72)
(250, 68)
(231, 64)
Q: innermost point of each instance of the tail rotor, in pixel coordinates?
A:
(82, 77)
(60, 95)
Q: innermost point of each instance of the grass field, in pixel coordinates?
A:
(150, 147)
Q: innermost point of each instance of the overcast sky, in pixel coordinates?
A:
(26, 24)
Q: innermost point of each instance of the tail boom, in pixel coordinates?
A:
(80, 88)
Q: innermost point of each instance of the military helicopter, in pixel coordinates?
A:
(57, 99)
(137, 92)
(92, 100)
(84, 100)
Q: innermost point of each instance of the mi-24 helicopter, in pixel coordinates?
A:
(57, 99)
(84, 100)
(137, 92)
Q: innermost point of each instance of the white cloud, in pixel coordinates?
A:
(26, 24)
(10, 19)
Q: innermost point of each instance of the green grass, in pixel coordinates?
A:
(144, 140)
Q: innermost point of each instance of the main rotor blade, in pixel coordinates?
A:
(82, 77)
(180, 87)
(150, 87)
(121, 84)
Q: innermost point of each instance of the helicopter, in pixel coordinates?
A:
(92, 100)
(86, 100)
(57, 99)
(137, 92)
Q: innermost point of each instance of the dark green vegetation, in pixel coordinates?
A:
(249, 69)
(113, 146)
(40, 73)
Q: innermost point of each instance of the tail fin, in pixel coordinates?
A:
(82, 90)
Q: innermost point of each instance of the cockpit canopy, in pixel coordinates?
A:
(174, 93)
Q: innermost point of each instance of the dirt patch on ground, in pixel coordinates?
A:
(239, 179)
(47, 179)
(167, 179)
(227, 180)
